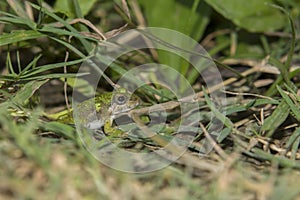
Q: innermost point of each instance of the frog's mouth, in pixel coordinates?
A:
(116, 110)
(96, 124)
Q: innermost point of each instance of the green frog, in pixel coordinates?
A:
(106, 108)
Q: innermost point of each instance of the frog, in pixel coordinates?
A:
(106, 108)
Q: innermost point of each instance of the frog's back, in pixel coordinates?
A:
(100, 101)
(85, 108)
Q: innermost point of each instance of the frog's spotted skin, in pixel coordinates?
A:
(106, 107)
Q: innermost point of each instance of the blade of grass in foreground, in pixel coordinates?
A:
(282, 161)
(27, 91)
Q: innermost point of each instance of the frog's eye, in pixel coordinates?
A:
(120, 99)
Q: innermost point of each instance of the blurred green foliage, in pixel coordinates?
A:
(261, 131)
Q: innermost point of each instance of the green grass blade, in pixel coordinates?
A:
(292, 139)
(18, 20)
(293, 42)
(53, 76)
(272, 90)
(8, 77)
(283, 70)
(88, 47)
(18, 36)
(223, 134)
(63, 130)
(289, 101)
(32, 65)
(220, 116)
(278, 116)
(295, 148)
(45, 68)
(69, 46)
(282, 161)
(9, 65)
(252, 103)
(297, 97)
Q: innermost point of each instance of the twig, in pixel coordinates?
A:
(192, 98)
(247, 94)
(87, 23)
(65, 79)
(218, 149)
(214, 34)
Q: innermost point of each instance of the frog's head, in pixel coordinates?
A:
(123, 101)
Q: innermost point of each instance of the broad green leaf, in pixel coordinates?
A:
(187, 17)
(68, 8)
(254, 15)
